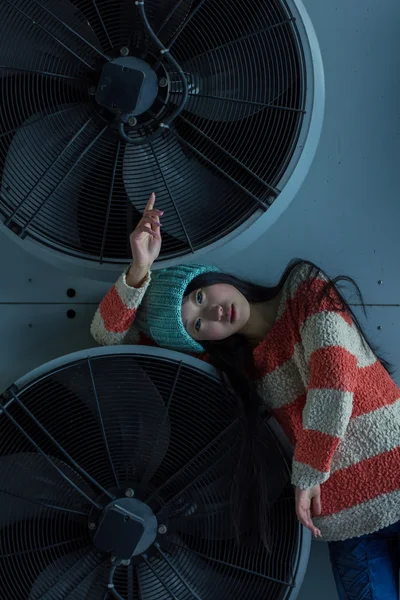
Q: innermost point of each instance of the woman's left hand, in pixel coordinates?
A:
(304, 499)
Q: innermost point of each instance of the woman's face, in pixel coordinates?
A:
(215, 312)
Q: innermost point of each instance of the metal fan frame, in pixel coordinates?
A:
(260, 221)
(33, 377)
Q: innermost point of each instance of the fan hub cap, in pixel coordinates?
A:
(127, 86)
(127, 528)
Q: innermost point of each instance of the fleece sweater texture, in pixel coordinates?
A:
(332, 397)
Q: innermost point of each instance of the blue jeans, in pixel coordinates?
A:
(368, 567)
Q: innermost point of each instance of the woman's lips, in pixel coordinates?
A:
(232, 314)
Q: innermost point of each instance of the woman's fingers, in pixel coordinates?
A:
(150, 202)
(305, 519)
(153, 213)
(150, 220)
(311, 526)
(148, 223)
(147, 229)
(150, 207)
(304, 499)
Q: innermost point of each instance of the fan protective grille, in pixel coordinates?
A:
(99, 426)
(70, 183)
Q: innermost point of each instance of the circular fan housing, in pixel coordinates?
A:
(216, 109)
(116, 468)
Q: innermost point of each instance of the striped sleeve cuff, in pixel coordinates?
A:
(117, 311)
(131, 297)
(304, 476)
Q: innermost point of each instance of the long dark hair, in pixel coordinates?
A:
(234, 357)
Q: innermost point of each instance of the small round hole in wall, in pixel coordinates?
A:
(71, 293)
(71, 314)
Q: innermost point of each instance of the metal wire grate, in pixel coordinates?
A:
(71, 183)
(77, 437)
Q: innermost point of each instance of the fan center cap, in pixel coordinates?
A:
(126, 528)
(128, 86)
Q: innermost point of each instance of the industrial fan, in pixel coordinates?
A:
(115, 472)
(102, 102)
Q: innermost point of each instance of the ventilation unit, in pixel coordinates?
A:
(115, 473)
(216, 106)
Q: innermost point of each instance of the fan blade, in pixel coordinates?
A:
(276, 465)
(168, 18)
(139, 428)
(80, 575)
(28, 483)
(136, 423)
(171, 168)
(240, 88)
(115, 27)
(178, 570)
(203, 510)
(18, 32)
(45, 148)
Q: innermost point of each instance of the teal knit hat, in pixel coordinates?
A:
(159, 315)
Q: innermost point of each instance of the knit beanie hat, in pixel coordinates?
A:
(159, 315)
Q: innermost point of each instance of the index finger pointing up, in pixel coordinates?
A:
(151, 201)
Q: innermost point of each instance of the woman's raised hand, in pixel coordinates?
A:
(145, 243)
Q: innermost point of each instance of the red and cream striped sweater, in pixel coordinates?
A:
(330, 394)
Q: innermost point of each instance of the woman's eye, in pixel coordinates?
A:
(197, 325)
(199, 297)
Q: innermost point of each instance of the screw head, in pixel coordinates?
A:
(163, 82)
(92, 525)
(126, 563)
(379, 328)
(132, 121)
(380, 282)
(129, 493)
(124, 51)
(162, 530)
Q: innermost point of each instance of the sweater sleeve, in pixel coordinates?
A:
(332, 349)
(113, 322)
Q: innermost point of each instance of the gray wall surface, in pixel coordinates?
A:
(345, 217)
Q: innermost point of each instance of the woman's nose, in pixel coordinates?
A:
(217, 313)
